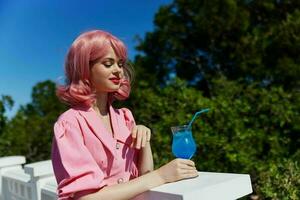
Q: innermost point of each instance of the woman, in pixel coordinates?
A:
(98, 152)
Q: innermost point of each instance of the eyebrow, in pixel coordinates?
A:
(108, 58)
(112, 59)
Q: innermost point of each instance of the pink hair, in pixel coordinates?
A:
(87, 48)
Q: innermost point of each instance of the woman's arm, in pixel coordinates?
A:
(173, 171)
(141, 140)
(145, 159)
(127, 190)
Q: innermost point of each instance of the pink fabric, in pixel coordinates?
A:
(86, 157)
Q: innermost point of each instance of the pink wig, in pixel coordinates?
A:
(87, 48)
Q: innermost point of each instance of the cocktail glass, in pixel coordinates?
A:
(183, 143)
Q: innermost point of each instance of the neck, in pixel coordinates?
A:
(100, 105)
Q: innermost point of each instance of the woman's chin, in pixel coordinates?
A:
(113, 89)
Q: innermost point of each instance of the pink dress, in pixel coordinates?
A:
(86, 157)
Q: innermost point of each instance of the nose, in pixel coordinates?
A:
(116, 69)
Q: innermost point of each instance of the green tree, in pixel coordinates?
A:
(247, 129)
(30, 132)
(281, 180)
(244, 40)
(6, 102)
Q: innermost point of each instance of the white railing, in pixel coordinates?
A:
(36, 181)
(26, 183)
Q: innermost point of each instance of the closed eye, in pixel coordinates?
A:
(107, 64)
(121, 64)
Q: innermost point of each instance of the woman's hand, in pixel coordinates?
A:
(176, 170)
(141, 135)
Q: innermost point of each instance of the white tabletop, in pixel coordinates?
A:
(207, 186)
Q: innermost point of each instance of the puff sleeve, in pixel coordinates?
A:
(129, 119)
(76, 172)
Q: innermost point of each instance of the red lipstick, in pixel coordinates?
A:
(115, 80)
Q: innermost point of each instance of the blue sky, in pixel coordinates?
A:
(35, 36)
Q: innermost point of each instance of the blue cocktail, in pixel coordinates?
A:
(183, 144)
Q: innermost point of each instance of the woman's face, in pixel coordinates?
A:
(106, 73)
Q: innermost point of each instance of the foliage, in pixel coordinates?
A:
(247, 127)
(248, 41)
(281, 180)
(5, 102)
(242, 59)
(30, 132)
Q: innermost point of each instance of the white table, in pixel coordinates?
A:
(207, 186)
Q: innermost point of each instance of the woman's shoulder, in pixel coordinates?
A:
(124, 111)
(126, 114)
(127, 117)
(69, 115)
